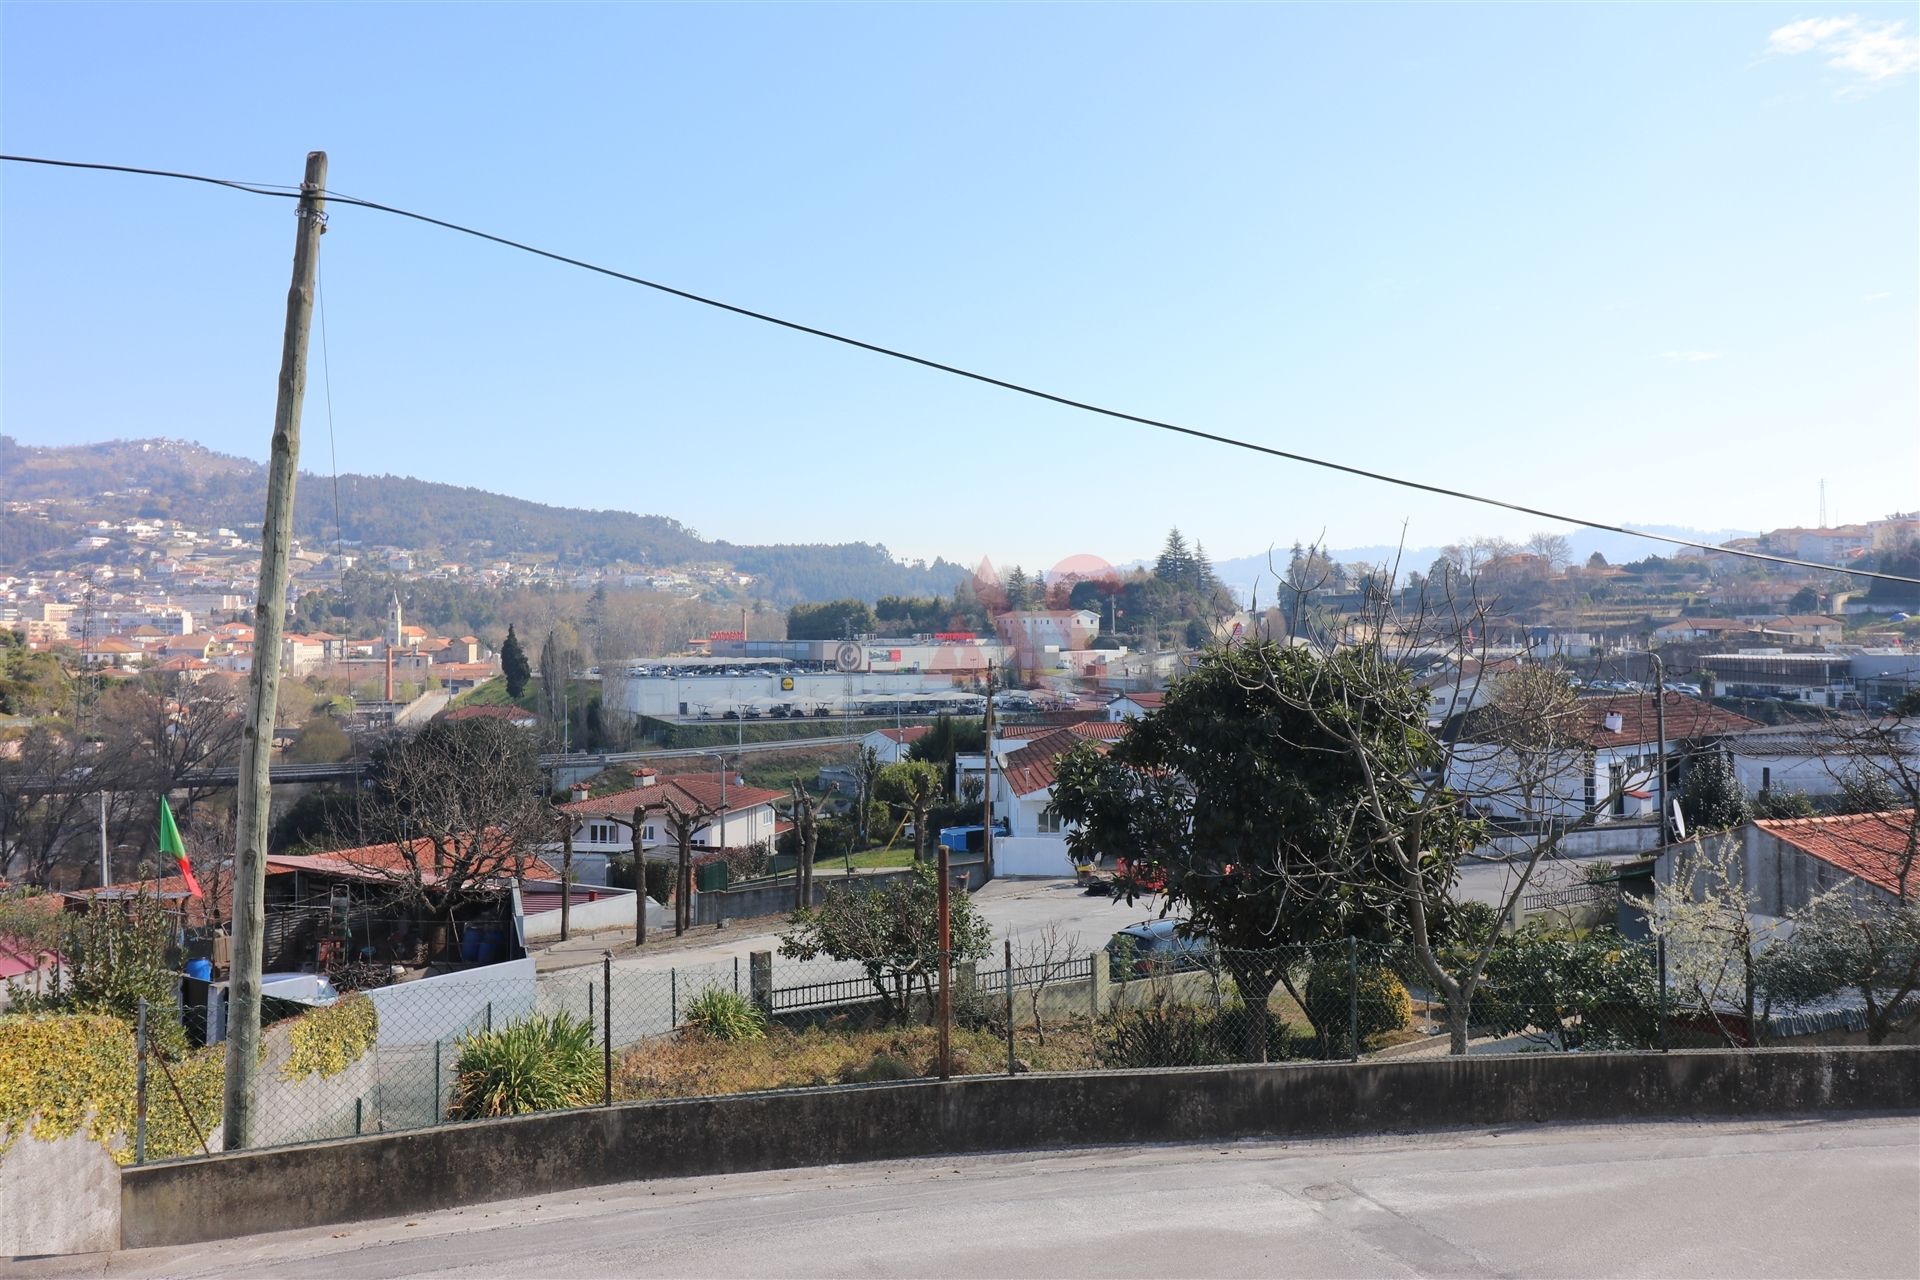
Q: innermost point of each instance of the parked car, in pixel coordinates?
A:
(1156, 947)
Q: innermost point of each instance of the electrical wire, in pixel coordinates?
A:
(989, 380)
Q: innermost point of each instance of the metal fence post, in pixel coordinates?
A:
(1660, 953)
(1353, 998)
(140, 1084)
(489, 1015)
(1007, 982)
(439, 1093)
(673, 999)
(606, 1028)
(359, 1116)
(736, 975)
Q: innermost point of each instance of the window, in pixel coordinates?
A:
(1049, 820)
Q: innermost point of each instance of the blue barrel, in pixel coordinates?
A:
(201, 969)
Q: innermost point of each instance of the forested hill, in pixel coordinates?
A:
(210, 490)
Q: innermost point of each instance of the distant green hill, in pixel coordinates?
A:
(210, 489)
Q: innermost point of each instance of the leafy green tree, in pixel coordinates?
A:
(832, 620)
(1713, 799)
(1256, 816)
(892, 931)
(913, 786)
(514, 665)
(1587, 991)
(1805, 600)
(1775, 803)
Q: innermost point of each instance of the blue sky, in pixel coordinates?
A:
(1654, 264)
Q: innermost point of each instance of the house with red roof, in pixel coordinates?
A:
(729, 815)
(1875, 857)
(1036, 839)
(1602, 759)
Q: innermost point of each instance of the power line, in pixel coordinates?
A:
(987, 379)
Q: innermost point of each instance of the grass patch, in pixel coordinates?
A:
(691, 1065)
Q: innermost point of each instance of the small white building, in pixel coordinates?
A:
(733, 816)
(892, 745)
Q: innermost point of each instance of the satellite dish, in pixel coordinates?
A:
(1679, 822)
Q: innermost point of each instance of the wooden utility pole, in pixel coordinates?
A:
(986, 792)
(944, 1010)
(639, 878)
(566, 877)
(263, 682)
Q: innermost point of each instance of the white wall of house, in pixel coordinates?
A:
(1491, 776)
(889, 751)
(1017, 856)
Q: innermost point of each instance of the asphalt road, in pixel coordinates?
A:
(646, 998)
(1769, 1198)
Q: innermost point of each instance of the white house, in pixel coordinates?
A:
(892, 745)
(1134, 706)
(1607, 761)
(1813, 758)
(1036, 839)
(1459, 687)
(735, 816)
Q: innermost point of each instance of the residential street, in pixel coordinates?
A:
(1019, 907)
(1734, 1199)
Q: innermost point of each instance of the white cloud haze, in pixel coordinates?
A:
(1870, 51)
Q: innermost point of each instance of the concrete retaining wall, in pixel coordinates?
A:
(460, 1164)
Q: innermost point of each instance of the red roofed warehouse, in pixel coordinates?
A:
(1791, 861)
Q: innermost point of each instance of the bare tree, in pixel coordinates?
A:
(453, 813)
(806, 829)
(1551, 547)
(683, 817)
(1044, 955)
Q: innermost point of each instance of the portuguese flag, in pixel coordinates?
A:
(170, 843)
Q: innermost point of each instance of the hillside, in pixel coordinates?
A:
(172, 478)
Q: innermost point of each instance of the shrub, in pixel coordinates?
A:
(78, 1069)
(726, 1015)
(328, 1041)
(1384, 1004)
(538, 1063)
(1162, 1035)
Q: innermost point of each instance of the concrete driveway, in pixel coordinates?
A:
(1767, 1198)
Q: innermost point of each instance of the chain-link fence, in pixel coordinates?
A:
(453, 1047)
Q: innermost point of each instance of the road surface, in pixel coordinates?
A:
(1772, 1198)
(651, 990)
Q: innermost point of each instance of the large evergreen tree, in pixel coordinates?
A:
(1175, 565)
(514, 665)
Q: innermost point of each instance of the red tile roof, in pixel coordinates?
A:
(1031, 768)
(1100, 730)
(687, 790)
(1144, 700)
(908, 736)
(1872, 846)
(1688, 719)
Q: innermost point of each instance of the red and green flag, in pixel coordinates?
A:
(171, 843)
